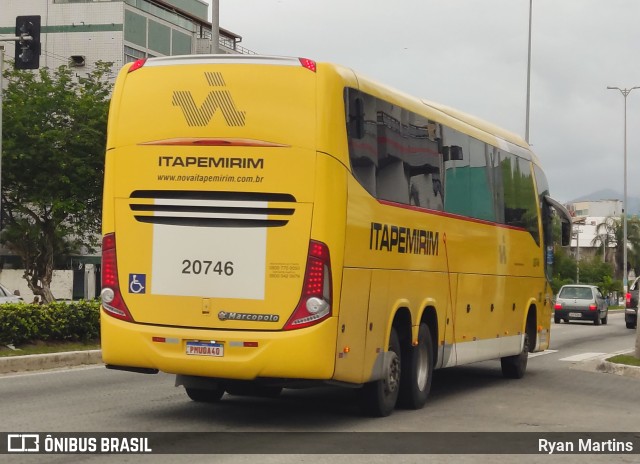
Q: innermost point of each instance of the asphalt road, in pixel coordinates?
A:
(561, 392)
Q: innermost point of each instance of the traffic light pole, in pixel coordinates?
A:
(5, 39)
(1, 104)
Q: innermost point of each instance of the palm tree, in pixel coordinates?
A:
(609, 235)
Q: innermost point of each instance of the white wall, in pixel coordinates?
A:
(61, 285)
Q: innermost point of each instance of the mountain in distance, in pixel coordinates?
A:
(633, 203)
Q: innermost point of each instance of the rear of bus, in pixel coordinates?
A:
(224, 218)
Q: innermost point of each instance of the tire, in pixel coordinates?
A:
(379, 397)
(205, 396)
(556, 319)
(605, 319)
(514, 367)
(417, 371)
(631, 325)
(597, 320)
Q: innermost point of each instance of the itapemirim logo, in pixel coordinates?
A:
(219, 99)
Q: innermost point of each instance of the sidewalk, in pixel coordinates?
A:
(38, 362)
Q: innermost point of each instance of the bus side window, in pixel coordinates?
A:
(365, 172)
(393, 184)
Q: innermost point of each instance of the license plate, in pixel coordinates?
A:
(205, 349)
(575, 314)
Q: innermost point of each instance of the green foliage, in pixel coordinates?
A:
(609, 285)
(592, 271)
(564, 269)
(54, 140)
(22, 323)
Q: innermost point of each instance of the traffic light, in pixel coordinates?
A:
(28, 51)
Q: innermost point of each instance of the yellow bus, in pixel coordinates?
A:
(275, 222)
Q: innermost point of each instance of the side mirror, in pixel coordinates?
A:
(565, 220)
(16, 292)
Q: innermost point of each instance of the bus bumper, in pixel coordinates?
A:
(307, 353)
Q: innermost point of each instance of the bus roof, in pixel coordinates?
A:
(480, 124)
(384, 91)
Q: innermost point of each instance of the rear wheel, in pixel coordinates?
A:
(514, 367)
(205, 396)
(556, 319)
(605, 319)
(631, 325)
(597, 320)
(417, 370)
(379, 397)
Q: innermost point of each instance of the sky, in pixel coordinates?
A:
(472, 55)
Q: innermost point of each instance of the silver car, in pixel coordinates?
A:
(581, 303)
(7, 296)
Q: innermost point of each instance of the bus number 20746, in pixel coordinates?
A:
(206, 267)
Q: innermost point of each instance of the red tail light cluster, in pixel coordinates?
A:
(309, 64)
(592, 307)
(315, 302)
(137, 65)
(112, 301)
(557, 306)
(627, 300)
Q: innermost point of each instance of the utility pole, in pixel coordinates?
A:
(215, 26)
(577, 255)
(625, 93)
(1, 102)
(526, 130)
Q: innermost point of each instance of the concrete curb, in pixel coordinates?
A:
(618, 369)
(37, 362)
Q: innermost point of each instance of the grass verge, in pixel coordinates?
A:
(627, 359)
(48, 347)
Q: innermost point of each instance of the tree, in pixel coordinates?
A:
(52, 166)
(564, 269)
(610, 233)
(592, 271)
(607, 235)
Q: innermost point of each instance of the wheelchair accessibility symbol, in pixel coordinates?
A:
(137, 283)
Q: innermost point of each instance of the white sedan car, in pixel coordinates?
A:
(7, 296)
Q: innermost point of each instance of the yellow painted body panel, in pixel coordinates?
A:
(352, 326)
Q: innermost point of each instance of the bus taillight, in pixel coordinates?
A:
(315, 301)
(309, 64)
(137, 65)
(112, 301)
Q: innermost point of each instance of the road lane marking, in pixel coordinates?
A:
(582, 357)
(542, 353)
